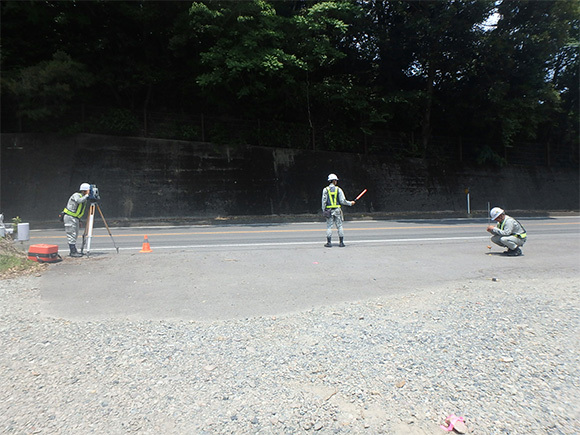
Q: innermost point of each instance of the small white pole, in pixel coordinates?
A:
(468, 206)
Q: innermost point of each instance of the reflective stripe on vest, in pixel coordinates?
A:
(519, 236)
(333, 197)
(78, 213)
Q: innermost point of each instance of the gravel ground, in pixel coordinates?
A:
(503, 354)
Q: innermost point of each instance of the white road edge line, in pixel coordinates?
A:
(350, 242)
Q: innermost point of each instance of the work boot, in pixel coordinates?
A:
(514, 253)
(328, 243)
(341, 244)
(74, 252)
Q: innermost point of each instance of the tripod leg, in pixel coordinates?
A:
(107, 226)
(84, 240)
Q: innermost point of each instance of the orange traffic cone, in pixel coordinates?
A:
(146, 247)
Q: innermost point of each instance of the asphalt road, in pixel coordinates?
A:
(202, 273)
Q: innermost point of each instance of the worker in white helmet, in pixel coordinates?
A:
(332, 200)
(508, 232)
(72, 214)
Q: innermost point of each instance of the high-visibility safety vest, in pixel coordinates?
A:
(333, 197)
(519, 236)
(80, 211)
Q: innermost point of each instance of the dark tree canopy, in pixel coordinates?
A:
(358, 76)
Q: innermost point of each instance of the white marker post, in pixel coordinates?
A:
(468, 206)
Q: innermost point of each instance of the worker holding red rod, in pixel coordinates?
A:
(332, 200)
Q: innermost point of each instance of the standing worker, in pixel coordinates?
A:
(508, 232)
(332, 199)
(73, 212)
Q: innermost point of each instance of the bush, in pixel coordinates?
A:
(14, 262)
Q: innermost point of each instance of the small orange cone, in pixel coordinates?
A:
(146, 247)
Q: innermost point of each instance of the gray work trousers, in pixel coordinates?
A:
(71, 226)
(334, 219)
(510, 242)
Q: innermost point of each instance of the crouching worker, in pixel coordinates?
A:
(508, 232)
(73, 212)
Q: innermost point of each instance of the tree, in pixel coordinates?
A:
(44, 90)
(346, 68)
(241, 56)
(423, 52)
(562, 128)
(124, 45)
(521, 66)
(326, 39)
(252, 52)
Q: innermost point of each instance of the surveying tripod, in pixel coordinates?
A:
(88, 234)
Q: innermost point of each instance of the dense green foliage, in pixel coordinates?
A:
(359, 76)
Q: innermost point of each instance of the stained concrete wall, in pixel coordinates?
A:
(166, 180)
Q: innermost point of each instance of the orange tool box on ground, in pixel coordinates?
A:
(44, 253)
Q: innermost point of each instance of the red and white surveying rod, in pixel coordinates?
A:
(360, 194)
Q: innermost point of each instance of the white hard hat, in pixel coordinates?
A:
(332, 177)
(495, 212)
(85, 186)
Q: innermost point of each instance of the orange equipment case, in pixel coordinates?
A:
(44, 253)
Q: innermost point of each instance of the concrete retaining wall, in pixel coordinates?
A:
(141, 178)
